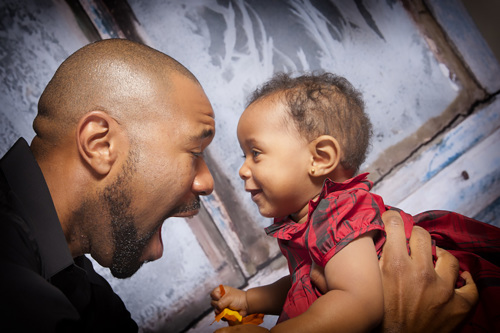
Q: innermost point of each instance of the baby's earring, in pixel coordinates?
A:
(313, 171)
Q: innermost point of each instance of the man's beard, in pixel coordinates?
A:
(192, 206)
(128, 246)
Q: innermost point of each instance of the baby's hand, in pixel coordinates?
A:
(233, 299)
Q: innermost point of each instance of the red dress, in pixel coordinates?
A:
(344, 211)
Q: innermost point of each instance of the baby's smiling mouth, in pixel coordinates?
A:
(254, 193)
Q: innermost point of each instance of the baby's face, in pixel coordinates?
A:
(277, 159)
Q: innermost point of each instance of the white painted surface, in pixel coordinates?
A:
(437, 162)
(449, 190)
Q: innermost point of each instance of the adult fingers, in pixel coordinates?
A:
(394, 228)
(446, 267)
(469, 291)
(421, 247)
(394, 249)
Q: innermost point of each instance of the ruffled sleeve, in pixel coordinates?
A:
(339, 218)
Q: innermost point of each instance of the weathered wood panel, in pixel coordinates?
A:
(468, 41)
(468, 185)
(433, 163)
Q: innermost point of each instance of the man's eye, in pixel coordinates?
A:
(197, 154)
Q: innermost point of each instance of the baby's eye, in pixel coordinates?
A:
(255, 153)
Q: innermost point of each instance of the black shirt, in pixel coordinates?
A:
(42, 288)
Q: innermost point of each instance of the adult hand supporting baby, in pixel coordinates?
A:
(420, 297)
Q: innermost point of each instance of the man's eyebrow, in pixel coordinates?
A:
(207, 133)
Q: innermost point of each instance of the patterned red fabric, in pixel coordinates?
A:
(344, 211)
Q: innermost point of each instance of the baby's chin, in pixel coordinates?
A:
(272, 214)
(265, 212)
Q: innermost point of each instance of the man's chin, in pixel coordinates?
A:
(188, 210)
(187, 214)
(124, 273)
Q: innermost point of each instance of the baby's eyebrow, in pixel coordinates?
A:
(251, 141)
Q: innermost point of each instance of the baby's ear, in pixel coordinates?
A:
(325, 152)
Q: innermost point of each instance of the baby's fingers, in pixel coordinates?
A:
(217, 293)
(215, 306)
(221, 304)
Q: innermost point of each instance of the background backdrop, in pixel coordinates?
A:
(428, 70)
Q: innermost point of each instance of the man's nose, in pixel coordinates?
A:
(203, 183)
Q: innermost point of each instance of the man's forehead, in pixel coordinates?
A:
(188, 91)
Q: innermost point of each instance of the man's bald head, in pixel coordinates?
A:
(116, 76)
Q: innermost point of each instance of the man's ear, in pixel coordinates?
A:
(325, 151)
(98, 141)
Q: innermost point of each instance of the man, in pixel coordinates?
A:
(120, 133)
(119, 139)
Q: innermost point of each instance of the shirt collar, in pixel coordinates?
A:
(329, 186)
(35, 204)
(285, 227)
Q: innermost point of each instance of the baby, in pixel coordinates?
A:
(304, 140)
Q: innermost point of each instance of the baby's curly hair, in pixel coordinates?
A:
(324, 104)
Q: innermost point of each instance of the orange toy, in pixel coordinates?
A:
(234, 318)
